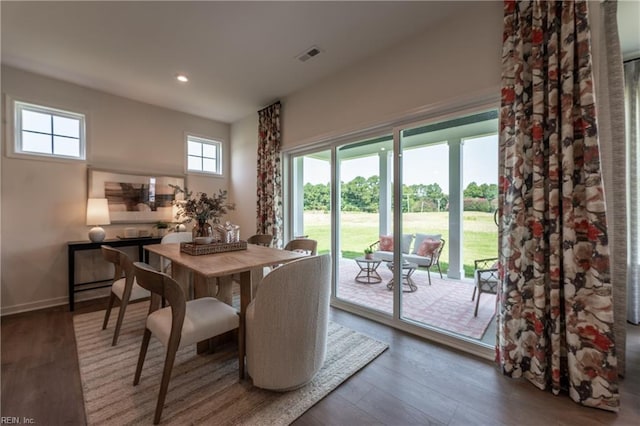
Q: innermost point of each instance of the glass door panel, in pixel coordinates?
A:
(442, 164)
(364, 169)
(480, 183)
(312, 198)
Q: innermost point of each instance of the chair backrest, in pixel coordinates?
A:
(162, 286)
(261, 239)
(305, 245)
(173, 237)
(121, 262)
(177, 237)
(436, 257)
(291, 307)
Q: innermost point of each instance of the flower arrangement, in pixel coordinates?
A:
(201, 207)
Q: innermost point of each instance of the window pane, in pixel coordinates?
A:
(36, 142)
(36, 121)
(194, 163)
(64, 126)
(209, 165)
(66, 146)
(209, 150)
(194, 148)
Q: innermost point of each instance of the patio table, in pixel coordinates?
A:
(408, 269)
(368, 273)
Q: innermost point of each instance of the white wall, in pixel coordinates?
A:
(243, 185)
(459, 58)
(43, 202)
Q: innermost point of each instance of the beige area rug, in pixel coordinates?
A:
(204, 389)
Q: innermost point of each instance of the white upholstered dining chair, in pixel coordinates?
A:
(286, 324)
(180, 324)
(125, 289)
(173, 237)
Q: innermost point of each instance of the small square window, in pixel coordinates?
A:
(203, 155)
(49, 132)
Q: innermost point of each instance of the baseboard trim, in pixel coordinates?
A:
(50, 303)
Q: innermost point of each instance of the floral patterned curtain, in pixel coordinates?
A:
(555, 314)
(269, 215)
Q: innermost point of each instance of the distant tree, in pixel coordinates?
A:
(361, 195)
(317, 197)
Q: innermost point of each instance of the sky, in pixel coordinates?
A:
(422, 165)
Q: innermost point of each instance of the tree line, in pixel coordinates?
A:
(363, 195)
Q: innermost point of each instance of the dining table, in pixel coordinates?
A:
(202, 270)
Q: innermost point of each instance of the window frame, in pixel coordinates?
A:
(203, 140)
(15, 140)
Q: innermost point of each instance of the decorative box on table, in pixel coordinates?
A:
(199, 249)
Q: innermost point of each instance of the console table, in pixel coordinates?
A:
(74, 246)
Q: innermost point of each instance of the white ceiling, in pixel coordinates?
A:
(240, 56)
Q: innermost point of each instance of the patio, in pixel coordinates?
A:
(446, 304)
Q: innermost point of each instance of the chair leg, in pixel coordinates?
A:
(438, 264)
(429, 274)
(166, 377)
(475, 313)
(225, 290)
(123, 307)
(106, 314)
(473, 296)
(143, 353)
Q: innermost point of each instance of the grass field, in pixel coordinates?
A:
(359, 230)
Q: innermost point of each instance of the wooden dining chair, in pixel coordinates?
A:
(261, 239)
(304, 245)
(180, 324)
(125, 289)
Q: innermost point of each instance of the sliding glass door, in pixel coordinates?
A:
(427, 214)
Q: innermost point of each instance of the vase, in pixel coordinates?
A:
(202, 229)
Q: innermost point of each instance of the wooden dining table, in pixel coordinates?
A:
(206, 267)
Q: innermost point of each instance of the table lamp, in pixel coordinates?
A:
(97, 214)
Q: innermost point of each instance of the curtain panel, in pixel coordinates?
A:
(610, 106)
(269, 215)
(632, 99)
(555, 314)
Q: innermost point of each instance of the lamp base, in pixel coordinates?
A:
(97, 234)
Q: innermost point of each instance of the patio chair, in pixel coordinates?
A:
(424, 256)
(486, 278)
(125, 289)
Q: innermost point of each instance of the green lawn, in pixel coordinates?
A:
(359, 230)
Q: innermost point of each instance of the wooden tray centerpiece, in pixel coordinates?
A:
(217, 247)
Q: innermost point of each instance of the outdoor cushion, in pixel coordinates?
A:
(421, 237)
(386, 242)
(428, 247)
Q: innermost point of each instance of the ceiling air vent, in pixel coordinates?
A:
(308, 54)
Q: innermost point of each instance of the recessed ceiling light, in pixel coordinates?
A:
(182, 78)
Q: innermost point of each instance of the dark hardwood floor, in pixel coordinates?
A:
(413, 382)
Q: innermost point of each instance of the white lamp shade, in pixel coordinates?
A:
(97, 212)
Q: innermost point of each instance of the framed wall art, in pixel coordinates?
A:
(135, 198)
